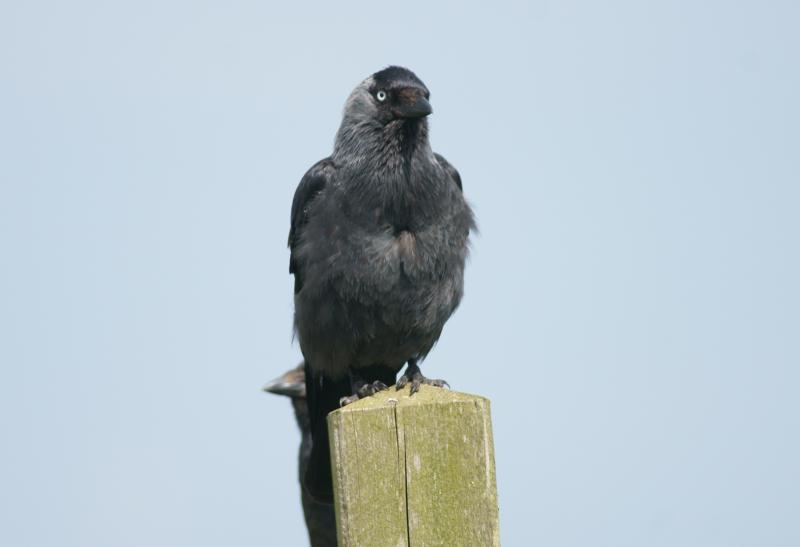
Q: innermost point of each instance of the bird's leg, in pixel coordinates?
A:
(414, 375)
(361, 389)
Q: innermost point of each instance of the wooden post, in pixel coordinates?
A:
(414, 470)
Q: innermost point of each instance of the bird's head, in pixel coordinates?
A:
(394, 93)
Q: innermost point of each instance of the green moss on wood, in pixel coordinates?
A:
(414, 470)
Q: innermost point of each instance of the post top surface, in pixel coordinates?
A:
(427, 395)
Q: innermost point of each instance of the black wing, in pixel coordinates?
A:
(450, 170)
(312, 183)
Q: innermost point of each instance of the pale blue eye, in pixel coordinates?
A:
(381, 95)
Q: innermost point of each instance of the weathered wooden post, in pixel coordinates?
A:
(414, 470)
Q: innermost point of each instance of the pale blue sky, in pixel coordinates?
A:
(632, 304)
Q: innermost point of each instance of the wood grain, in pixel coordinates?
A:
(414, 470)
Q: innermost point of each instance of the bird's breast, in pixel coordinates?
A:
(403, 245)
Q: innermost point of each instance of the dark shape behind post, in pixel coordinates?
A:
(319, 517)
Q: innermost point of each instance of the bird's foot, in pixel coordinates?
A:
(416, 380)
(414, 375)
(365, 390)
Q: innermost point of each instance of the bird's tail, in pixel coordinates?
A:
(323, 396)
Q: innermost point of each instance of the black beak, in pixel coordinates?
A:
(412, 104)
(280, 386)
(291, 383)
(419, 109)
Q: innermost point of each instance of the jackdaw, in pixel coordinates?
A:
(378, 239)
(319, 517)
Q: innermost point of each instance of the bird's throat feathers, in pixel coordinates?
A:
(388, 149)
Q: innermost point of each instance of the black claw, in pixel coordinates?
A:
(371, 389)
(414, 375)
(365, 390)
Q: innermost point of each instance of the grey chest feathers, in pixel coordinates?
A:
(394, 257)
(402, 247)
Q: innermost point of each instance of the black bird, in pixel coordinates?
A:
(378, 239)
(320, 518)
